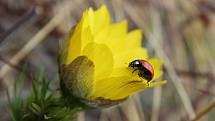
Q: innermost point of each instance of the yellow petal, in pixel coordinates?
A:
(102, 36)
(102, 58)
(124, 58)
(119, 78)
(87, 27)
(74, 44)
(86, 37)
(88, 19)
(132, 88)
(63, 49)
(153, 84)
(127, 90)
(118, 31)
(113, 36)
(102, 19)
(81, 36)
(116, 37)
(134, 39)
(157, 64)
(105, 87)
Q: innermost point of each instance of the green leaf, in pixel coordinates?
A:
(35, 109)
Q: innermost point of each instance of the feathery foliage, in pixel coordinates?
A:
(42, 104)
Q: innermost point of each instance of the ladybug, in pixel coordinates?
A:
(145, 69)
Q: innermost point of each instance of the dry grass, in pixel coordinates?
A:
(181, 32)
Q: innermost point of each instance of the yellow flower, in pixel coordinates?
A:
(94, 60)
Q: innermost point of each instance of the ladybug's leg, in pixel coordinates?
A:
(142, 75)
(148, 83)
(134, 70)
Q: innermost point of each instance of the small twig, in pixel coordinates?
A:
(53, 23)
(204, 8)
(131, 111)
(30, 45)
(208, 75)
(103, 116)
(139, 106)
(81, 116)
(206, 92)
(156, 103)
(18, 24)
(10, 64)
(204, 111)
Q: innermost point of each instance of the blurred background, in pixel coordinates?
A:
(181, 32)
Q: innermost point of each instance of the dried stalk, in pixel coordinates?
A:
(204, 111)
(156, 103)
(51, 25)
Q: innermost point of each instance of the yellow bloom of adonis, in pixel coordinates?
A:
(102, 63)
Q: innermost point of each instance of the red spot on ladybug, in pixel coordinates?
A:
(145, 69)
